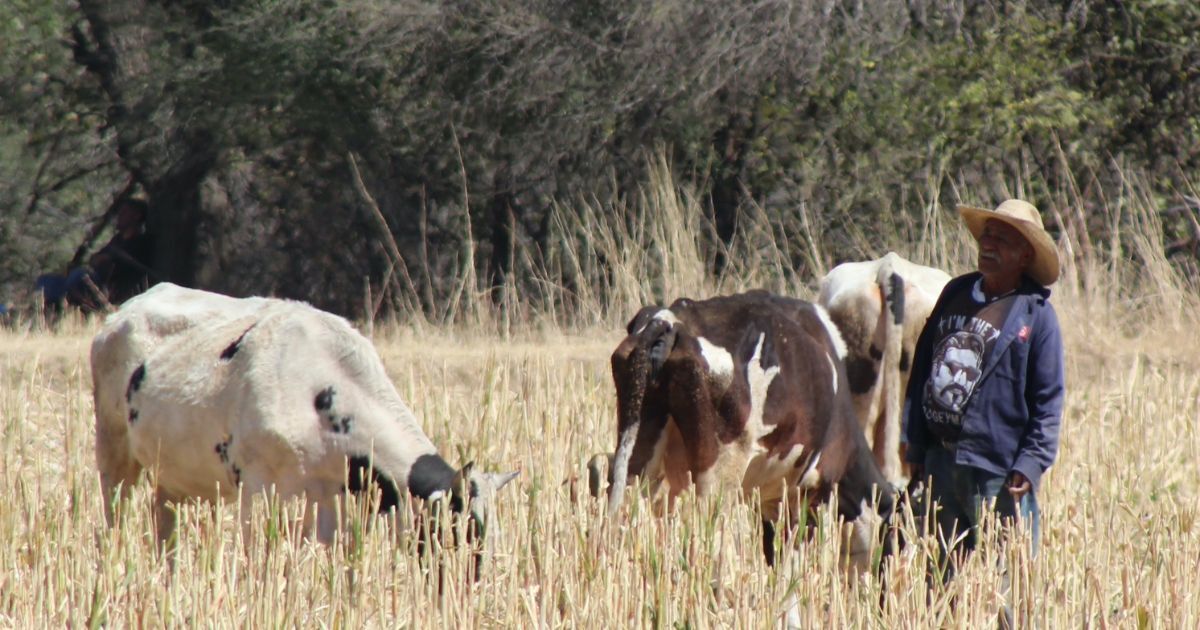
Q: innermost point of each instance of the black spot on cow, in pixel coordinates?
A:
(861, 373)
(324, 399)
(232, 348)
(362, 475)
(875, 353)
(237, 474)
(222, 450)
(340, 424)
(430, 474)
(905, 360)
(133, 416)
(135, 381)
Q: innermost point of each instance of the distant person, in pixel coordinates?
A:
(119, 270)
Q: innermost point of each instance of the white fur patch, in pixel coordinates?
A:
(720, 362)
(764, 471)
(667, 316)
(759, 380)
(838, 343)
(811, 477)
(862, 537)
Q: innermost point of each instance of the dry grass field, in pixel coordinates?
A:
(1121, 509)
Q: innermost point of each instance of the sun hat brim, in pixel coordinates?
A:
(1044, 268)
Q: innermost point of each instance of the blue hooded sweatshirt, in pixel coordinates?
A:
(1012, 420)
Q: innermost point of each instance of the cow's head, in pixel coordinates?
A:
(637, 366)
(470, 494)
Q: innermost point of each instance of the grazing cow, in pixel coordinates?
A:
(744, 392)
(213, 393)
(880, 306)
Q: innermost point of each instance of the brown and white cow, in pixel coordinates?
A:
(744, 392)
(215, 393)
(880, 307)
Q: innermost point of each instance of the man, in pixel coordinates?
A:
(984, 402)
(119, 270)
(122, 266)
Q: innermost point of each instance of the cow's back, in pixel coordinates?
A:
(143, 323)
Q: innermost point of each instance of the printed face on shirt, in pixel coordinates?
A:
(957, 366)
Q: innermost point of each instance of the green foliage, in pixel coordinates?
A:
(50, 159)
(471, 121)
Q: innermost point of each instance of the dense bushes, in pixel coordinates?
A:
(476, 124)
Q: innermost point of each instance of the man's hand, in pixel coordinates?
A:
(1018, 485)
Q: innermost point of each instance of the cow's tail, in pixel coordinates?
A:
(887, 433)
(635, 365)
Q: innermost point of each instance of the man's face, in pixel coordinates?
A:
(1002, 249)
(128, 216)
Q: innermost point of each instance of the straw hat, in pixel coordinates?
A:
(1023, 216)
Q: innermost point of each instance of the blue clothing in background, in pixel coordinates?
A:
(56, 287)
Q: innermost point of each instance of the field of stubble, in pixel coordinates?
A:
(1120, 542)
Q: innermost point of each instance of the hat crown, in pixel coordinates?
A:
(1022, 210)
(1025, 217)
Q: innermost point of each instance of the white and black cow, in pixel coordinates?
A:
(880, 307)
(213, 393)
(744, 392)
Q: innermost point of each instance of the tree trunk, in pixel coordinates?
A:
(114, 50)
(502, 210)
(730, 143)
(175, 212)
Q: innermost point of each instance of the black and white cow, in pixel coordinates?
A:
(213, 393)
(745, 392)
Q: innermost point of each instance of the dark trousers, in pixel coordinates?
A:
(962, 493)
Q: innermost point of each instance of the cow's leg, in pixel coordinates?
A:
(254, 483)
(165, 518)
(771, 511)
(114, 459)
(768, 541)
(322, 506)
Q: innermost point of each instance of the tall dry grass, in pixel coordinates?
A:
(1120, 532)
